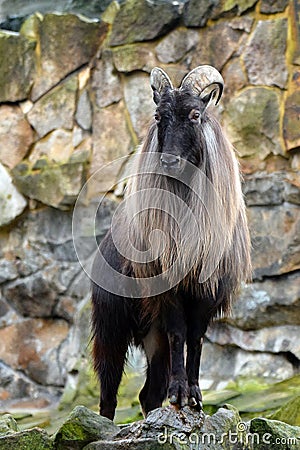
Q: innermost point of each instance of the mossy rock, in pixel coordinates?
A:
(8, 424)
(52, 184)
(140, 20)
(18, 71)
(289, 413)
(66, 42)
(34, 439)
(272, 434)
(240, 5)
(214, 398)
(252, 118)
(269, 399)
(82, 427)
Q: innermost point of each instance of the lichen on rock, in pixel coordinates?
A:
(140, 20)
(252, 120)
(18, 72)
(264, 55)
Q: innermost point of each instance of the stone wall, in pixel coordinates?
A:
(74, 95)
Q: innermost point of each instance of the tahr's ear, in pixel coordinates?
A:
(210, 97)
(159, 81)
(156, 96)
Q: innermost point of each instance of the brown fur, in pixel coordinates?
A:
(226, 209)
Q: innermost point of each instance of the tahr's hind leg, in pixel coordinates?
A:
(157, 350)
(109, 366)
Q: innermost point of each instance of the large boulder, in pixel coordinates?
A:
(57, 147)
(252, 122)
(176, 44)
(33, 296)
(280, 339)
(140, 20)
(129, 58)
(32, 345)
(285, 437)
(275, 238)
(66, 42)
(20, 392)
(222, 363)
(267, 303)
(264, 55)
(57, 184)
(196, 13)
(224, 38)
(262, 189)
(55, 109)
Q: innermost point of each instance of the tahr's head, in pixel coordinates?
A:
(180, 113)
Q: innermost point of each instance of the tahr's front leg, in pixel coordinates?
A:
(178, 387)
(194, 348)
(175, 325)
(199, 314)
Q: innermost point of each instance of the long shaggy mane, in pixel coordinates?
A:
(211, 255)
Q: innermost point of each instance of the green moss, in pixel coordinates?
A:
(52, 184)
(73, 431)
(81, 427)
(288, 413)
(253, 122)
(275, 435)
(215, 398)
(245, 384)
(34, 439)
(270, 399)
(8, 424)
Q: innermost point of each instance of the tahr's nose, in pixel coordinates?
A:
(169, 161)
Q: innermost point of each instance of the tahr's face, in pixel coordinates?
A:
(178, 117)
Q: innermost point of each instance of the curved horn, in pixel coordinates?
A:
(159, 80)
(201, 78)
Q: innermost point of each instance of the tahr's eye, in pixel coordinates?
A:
(157, 116)
(194, 116)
